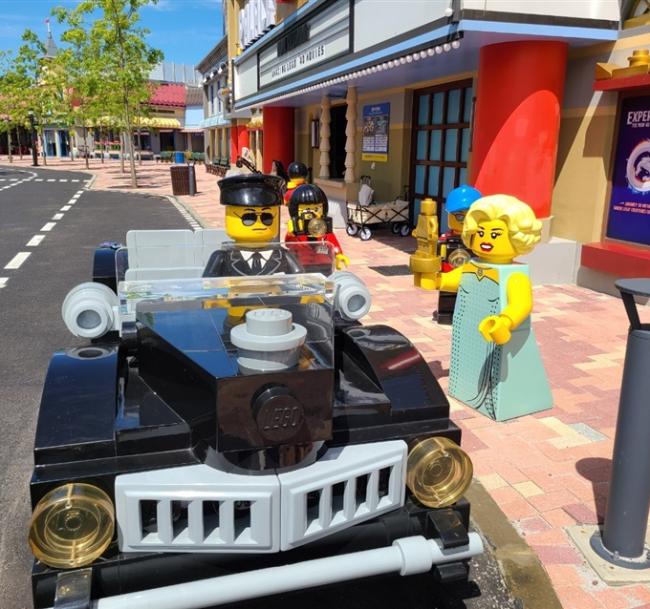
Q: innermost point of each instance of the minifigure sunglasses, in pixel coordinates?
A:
(250, 218)
(460, 217)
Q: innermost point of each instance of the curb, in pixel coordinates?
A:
(523, 572)
(193, 219)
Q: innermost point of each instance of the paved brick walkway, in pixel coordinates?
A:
(546, 471)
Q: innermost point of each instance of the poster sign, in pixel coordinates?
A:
(629, 206)
(374, 143)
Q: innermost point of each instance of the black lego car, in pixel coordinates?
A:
(225, 438)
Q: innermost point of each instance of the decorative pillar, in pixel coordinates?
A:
(350, 135)
(242, 138)
(277, 135)
(517, 120)
(324, 145)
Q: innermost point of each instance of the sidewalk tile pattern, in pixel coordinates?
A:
(546, 471)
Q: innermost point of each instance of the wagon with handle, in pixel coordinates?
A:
(392, 213)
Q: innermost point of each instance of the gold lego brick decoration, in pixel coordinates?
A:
(604, 70)
(629, 71)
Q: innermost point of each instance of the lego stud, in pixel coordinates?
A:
(269, 341)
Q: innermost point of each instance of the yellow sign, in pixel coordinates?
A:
(371, 156)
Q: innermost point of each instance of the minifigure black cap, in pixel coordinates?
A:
(307, 194)
(297, 169)
(251, 190)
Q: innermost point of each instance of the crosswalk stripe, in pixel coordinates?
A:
(48, 226)
(35, 240)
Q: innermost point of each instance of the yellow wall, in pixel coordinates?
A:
(586, 142)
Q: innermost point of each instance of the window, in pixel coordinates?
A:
(219, 102)
(440, 143)
(211, 99)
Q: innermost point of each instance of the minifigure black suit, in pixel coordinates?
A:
(253, 221)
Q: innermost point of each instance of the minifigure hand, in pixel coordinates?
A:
(496, 328)
(342, 261)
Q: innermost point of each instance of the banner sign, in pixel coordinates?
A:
(374, 142)
(256, 18)
(629, 206)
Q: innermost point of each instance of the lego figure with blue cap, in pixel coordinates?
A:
(451, 249)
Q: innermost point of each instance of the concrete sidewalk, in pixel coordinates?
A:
(546, 472)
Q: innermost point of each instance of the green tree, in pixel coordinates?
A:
(123, 59)
(37, 84)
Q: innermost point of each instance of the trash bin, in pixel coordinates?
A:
(179, 157)
(181, 179)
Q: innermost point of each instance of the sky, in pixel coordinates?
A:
(185, 30)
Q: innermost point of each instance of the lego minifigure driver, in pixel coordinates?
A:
(309, 222)
(252, 204)
(450, 246)
(298, 173)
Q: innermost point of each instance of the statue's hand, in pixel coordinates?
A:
(342, 261)
(496, 328)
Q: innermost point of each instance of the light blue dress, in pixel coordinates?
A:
(500, 381)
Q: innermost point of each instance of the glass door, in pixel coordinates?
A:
(440, 143)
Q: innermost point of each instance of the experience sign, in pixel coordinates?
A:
(629, 206)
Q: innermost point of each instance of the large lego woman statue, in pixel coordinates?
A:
(495, 366)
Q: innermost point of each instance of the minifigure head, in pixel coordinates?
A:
(252, 204)
(457, 204)
(500, 227)
(308, 206)
(297, 172)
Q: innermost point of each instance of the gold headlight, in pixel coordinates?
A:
(438, 472)
(72, 526)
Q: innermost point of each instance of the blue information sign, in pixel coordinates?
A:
(629, 206)
(374, 142)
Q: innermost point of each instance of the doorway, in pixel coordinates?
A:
(337, 140)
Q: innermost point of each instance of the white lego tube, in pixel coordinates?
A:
(407, 556)
(351, 298)
(88, 310)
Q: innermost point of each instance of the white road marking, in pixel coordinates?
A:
(3, 281)
(51, 180)
(48, 227)
(63, 179)
(13, 179)
(57, 216)
(35, 240)
(2, 179)
(38, 180)
(74, 180)
(65, 208)
(17, 260)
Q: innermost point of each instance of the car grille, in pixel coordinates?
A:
(198, 508)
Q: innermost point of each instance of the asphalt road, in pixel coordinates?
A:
(38, 203)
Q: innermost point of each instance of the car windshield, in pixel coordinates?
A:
(291, 308)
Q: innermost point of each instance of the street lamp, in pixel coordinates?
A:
(32, 122)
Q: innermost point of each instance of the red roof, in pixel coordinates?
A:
(168, 95)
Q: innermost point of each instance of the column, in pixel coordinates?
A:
(277, 136)
(350, 135)
(234, 147)
(242, 137)
(517, 120)
(324, 145)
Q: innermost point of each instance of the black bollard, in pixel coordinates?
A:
(626, 521)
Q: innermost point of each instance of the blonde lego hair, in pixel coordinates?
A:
(524, 229)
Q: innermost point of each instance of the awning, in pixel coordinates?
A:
(156, 122)
(192, 130)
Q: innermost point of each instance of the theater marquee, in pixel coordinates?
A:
(307, 44)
